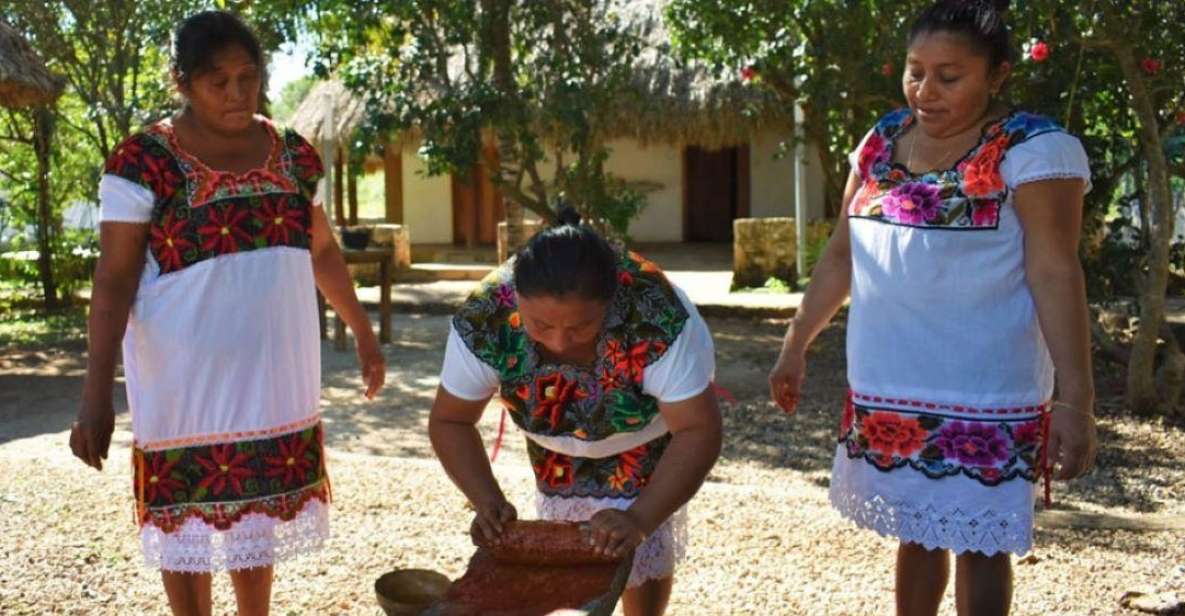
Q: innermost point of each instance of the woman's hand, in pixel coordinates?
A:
(490, 522)
(614, 533)
(371, 361)
(785, 380)
(1073, 442)
(90, 436)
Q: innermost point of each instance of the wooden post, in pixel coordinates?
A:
(352, 190)
(339, 208)
(393, 181)
(385, 300)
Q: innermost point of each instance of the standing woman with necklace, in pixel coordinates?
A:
(211, 244)
(958, 247)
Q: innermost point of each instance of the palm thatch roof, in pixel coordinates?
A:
(672, 101)
(24, 80)
(328, 113)
(685, 101)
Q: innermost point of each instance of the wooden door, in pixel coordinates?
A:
(477, 207)
(715, 192)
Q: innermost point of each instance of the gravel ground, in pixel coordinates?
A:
(764, 540)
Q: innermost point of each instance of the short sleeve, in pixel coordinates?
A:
(688, 366)
(463, 374)
(1054, 155)
(123, 201)
(854, 155)
(307, 167)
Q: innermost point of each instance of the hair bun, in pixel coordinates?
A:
(567, 215)
(1001, 6)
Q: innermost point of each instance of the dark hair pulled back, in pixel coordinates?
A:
(203, 35)
(981, 22)
(567, 259)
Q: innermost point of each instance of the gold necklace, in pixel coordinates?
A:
(939, 164)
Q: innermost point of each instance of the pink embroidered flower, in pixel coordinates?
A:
(504, 296)
(913, 204)
(972, 443)
(985, 213)
(1039, 52)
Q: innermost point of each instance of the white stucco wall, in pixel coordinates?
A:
(427, 201)
(659, 164)
(772, 181)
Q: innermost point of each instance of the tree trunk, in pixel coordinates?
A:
(497, 33)
(1141, 371)
(42, 138)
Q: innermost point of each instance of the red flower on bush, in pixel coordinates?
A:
(168, 244)
(889, 433)
(1039, 52)
(224, 466)
(748, 73)
(887, 69)
(291, 464)
(222, 233)
(1181, 118)
(1151, 66)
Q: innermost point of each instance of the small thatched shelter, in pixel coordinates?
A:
(24, 80)
(328, 117)
(705, 143)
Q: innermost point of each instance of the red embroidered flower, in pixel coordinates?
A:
(981, 174)
(985, 213)
(625, 279)
(1039, 52)
(552, 394)
(168, 244)
(127, 154)
(889, 433)
(277, 220)
(875, 150)
(631, 363)
(291, 464)
(225, 465)
(556, 470)
(864, 196)
(1151, 66)
(847, 419)
(1027, 433)
(629, 469)
(158, 172)
(306, 162)
(223, 232)
(158, 482)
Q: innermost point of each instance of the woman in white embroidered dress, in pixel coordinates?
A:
(607, 368)
(958, 245)
(211, 245)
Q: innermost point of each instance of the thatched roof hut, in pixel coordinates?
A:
(24, 80)
(328, 113)
(672, 101)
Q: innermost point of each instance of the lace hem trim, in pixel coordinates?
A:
(987, 531)
(255, 541)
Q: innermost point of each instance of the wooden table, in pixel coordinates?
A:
(385, 257)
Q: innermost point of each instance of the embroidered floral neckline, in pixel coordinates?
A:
(987, 133)
(273, 155)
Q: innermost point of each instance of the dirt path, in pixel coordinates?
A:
(764, 540)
